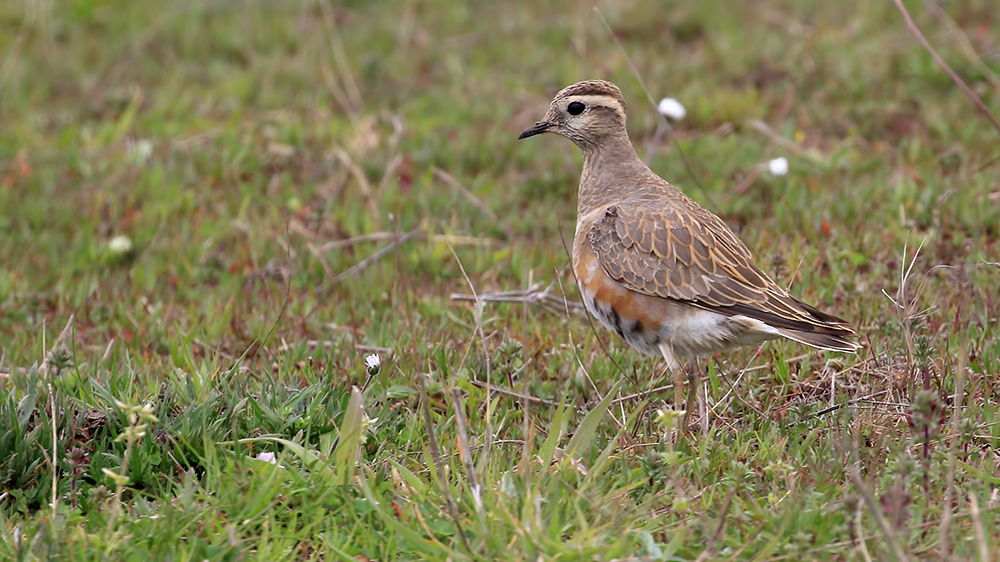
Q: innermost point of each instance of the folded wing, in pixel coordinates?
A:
(687, 254)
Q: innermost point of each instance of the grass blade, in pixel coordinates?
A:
(345, 455)
(588, 427)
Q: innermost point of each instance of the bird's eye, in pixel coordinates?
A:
(575, 108)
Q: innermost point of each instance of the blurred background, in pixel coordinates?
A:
(234, 140)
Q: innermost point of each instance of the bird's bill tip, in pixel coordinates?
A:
(537, 129)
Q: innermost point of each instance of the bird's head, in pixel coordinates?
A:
(585, 113)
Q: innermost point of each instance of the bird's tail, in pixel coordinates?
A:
(827, 340)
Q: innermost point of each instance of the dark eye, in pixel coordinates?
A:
(575, 108)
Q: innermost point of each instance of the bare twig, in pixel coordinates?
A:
(534, 294)
(944, 66)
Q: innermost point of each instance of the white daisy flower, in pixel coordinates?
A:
(373, 363)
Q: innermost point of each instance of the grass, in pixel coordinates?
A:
(246, 149)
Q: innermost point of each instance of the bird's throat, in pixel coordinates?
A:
(610, 170)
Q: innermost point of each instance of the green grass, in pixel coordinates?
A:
(235, 143)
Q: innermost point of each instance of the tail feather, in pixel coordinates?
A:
(824, 340)
(791, 318)
(820, 315)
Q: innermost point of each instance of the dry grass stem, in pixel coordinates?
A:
(944, 66)
(363, 264)
(439, 472)
(465, 192)
(453, 239)
(791, 146)
(465, 454)
(876, 510)
(982, 548)
(755, 172)
(534, 294)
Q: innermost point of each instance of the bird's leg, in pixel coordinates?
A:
(677, 372)
(694, 381)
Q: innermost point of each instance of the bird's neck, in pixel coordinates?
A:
(611, 171)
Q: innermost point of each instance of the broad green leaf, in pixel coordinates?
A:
(346, 453)
(556, 431)
(588, 427)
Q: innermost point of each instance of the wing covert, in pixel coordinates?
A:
(688, 254)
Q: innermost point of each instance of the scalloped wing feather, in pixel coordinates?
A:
(680, 251)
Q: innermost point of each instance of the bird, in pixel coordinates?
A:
(652, 265)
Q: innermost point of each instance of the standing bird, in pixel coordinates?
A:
(663, 272)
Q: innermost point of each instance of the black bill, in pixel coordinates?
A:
(538, 129)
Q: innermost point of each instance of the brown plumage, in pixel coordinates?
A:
(660, 270)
